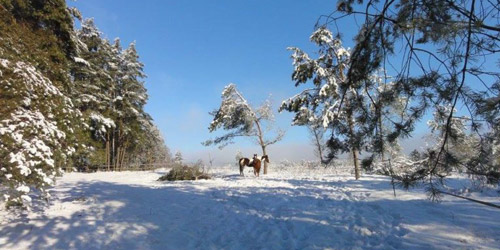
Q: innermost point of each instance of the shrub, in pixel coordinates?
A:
(184, 173)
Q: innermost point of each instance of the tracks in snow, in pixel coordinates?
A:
(293, 214)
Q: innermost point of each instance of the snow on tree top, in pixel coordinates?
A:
(82, 61)
(103, 120)
(322, 35)
(31, 77)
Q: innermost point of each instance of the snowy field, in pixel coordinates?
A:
(311, 209)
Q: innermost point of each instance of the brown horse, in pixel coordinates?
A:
(255, 162)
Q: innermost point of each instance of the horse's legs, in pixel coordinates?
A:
(241, 170)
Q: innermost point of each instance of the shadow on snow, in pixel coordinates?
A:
(303, 216)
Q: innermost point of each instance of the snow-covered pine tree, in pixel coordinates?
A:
(178, 158)
(128, 103)
(239, 118)
(58, 94)
(151, 148)
(462, 146)
(33, 144)
(384, 109)
(327, 100)
(111, 94)
(356, 116)
(436, 62)
(93, 88)
(36, 114)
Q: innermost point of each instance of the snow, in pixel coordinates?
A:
(30, 134)
(23, 189)
(290, 208)
(30, 147)
(35, 79)
(82, 61)
(4, 63)
(322, 35)
(106, 122)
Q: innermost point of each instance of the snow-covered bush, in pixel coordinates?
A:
(33, 131)
(185, 173)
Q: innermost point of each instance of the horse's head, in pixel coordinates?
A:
(255, 156)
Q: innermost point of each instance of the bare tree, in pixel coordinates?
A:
(240, 119)
(318, 141)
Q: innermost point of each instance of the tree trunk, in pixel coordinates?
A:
(117, 159)
(381, 133)
(122, 159)
(354, 150)
(265, 162)
(108, 157)
(262, 144)
(119, 149)
(318, 144)
(113, 151)
(350, 119)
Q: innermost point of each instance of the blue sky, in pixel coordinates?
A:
(192, 49)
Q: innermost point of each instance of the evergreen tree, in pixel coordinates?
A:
(441, 46)
(69, 98)
(37, 116)
(357, 119)
(92, 91)
(111, 94)
(178, 157)
(151, 148)
(323, 101)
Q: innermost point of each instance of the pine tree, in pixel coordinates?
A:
(323, 101)
(178, 157)
(111, 94)
(151, 148)
(128, 103)
(441, 46)
(92, 94)
(356, 118)
(37, 115)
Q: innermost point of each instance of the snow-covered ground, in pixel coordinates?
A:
(307, 209)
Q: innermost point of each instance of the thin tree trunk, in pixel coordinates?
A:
(265, 162)
(108, 157)
(113, 151)
(381, 133)
(354, 150)
(318, 144)
(122, 160)
(117, 159)
(350, 119)
(119, 149)
(262, 144)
